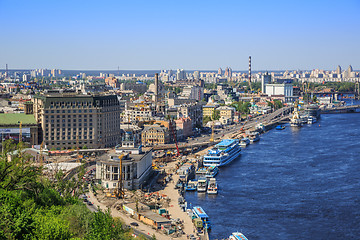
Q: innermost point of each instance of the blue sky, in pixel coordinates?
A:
(149, 35)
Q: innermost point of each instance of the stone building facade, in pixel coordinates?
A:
(70, 121)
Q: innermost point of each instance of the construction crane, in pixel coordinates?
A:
(174, 136)
(119, 192)
(212, 132)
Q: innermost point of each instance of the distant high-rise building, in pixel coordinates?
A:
(338, 70)
(180, 74)
(228, 72)
(220, 71)
(265, 79)
(197, 75)
(349, 72)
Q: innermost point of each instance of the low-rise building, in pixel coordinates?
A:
(155, 135)
(10, 128)
(136, 166)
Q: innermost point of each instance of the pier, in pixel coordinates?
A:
(341, 109)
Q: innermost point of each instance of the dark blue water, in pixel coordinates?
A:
(293, 184)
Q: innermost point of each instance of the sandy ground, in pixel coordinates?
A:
(127, 219)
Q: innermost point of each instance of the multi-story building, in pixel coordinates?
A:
(139, 112)
(208, 110)
(155, 135)
(284, 90)
(136, 165)
(193, 92)
(227, 113)
(70, 121)
(185, 125)
(193, 111)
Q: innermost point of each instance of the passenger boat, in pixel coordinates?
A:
(254, 137)
(312, 110)
(237, 236)
(191, 185)
(212, 171)
(244, 142)
(186, 172)
(280, 127)
(304, 120)
(311, 120)
(202, 184)
(200, 213)
(223, 153)
(213, 187)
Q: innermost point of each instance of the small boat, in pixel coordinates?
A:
(212, 171)
(191, 186)
(201, 171)
(237, 236)
(311, 120)
(260, 127)
(280, 127)
(179, 184)
(244, 142)
(202, 184)
(254, 137)
(213, 187)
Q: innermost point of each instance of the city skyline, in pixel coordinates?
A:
(142, 35)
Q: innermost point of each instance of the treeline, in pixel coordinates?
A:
(34, 207)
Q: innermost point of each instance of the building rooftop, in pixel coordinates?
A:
(15, 118)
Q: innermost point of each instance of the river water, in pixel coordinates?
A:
(294, 183)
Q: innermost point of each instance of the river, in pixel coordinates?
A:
(294, 183)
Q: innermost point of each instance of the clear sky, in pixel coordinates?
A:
(171, 34)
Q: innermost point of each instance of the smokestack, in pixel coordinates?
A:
(157, 92)
(156, 87)
(250, 69)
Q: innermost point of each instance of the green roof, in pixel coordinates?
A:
(14, 118)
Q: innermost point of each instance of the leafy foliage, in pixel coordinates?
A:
(32, 207)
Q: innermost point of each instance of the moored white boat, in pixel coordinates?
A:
(202, 184)
(244, 142)
(223, 153)
(237, 236)
(213, 187)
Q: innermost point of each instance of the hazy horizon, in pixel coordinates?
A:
(179, 34)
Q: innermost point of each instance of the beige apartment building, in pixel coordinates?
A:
(227, 113)
(155, 135)
(70, 121)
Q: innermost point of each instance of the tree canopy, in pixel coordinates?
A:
(33, 207)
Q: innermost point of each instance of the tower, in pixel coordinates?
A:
(156, 88)
(6, 72)
(250, 69)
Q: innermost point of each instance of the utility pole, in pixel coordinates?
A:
(20, 131)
